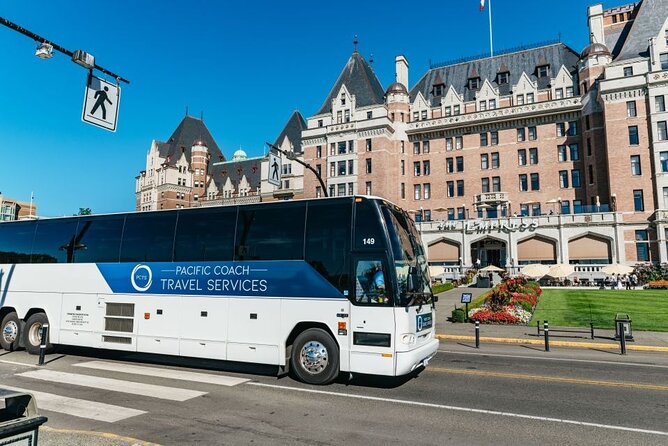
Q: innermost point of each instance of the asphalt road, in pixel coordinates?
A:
(502, 394)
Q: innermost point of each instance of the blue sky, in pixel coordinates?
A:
(245, 65)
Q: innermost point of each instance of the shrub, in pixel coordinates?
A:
(458, 315)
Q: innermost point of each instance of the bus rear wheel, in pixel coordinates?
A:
(10, 332)
(315, 357)
(32, 333)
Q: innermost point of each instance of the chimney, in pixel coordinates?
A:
(401, 70)
(595, 21)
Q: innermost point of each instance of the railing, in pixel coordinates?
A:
(491, 197)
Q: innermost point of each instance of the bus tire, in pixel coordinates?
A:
(315, 357)
(32, 334)
(10, 332)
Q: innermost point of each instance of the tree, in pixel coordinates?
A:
(85, 211)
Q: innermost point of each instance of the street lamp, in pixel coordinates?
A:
(44, 51)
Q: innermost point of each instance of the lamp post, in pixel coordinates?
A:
(292, 157)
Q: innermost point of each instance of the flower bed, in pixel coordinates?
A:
(511, 302)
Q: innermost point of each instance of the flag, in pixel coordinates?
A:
(482, 5)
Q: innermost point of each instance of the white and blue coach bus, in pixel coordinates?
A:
(316, 286)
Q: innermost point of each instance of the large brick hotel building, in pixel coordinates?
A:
(542, 154)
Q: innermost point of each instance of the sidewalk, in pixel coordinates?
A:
(521, 334)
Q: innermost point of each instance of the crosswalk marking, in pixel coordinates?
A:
(80, 408)
(163, 373)
(115, 385)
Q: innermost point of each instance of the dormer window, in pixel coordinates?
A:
(503, 78)
(439, 89)
(343, 99)
(543, 71)
(474, 83)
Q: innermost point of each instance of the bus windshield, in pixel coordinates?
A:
(409, 258)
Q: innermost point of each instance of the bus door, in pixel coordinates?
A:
(372, 317)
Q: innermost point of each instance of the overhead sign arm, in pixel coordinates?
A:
(291, 156)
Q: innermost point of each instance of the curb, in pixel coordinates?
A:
(643, 348)
(97, 435)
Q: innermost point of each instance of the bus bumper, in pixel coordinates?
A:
(409, 361)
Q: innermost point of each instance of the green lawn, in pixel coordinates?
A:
(648, 309)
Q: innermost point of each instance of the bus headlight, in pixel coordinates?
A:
(408, 339)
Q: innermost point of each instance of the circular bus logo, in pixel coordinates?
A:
(419, 323)
(141, 278)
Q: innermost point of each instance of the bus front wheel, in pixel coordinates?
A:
(32, 333)
(315, 357)
(10, 332)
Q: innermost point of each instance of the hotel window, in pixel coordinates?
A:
(484, 161)
(351, 165)
(495, 160)
(535, 181)
(521, 135)
(331, 191)
(663, 160)
(575, 178)
(318, 192)
(460, 188)
(368, 187)
(642, 246)
(351, 189)
(662, 132)
(565, 207)
(532, 134)
(569, 92)
(417, 189)
(368, 165)
(346, 115)
(628, 71)
(485, 185)
(633, 135)
(318, 168)
(459, 142)
(519, 99)
(563, 179)
(448, 111)
(492, 104)
(588, 146)
(494, 136)
(631, 109)
(450, 189)
(416, 169)
(533, 155)
(427, 190)
(416, 116)
(638, 200)
(660, 103)
(577, 206)
(496, 184)
(339, 117)
(455, 110)
(543, 70)
(483, 139)
(426, 168)
(522, 157)
(664, 61)
(504, 77)
(524, 185)
(369, 115)
(448, 144)
(342, 168)
(320, 123)
(424, 114)
(403, 147)
(459, 162)
(449, 165)
(587, 122)
(572, 128)
(665, 206)
(529, 98)
(474, 83)
(368, 145)
(635, 165)
(482, 105)
(561, 129)
(591, 174)
(451, 213)
(403, 167)
(416, 148)
(535, 209)
(332, 148)
(524, 210)
(425, 147)
(403, 190)
(575, 152)
(342, 147)
(332, 169)
(318, 152)
(341, 190)
(558, 93)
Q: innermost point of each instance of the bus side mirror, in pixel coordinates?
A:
(412, 278)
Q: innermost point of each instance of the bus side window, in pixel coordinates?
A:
(98, 239)
(53, 241)
(369, 234)
(148, 237)
(370, 283)
(16, 241)
(205, 234)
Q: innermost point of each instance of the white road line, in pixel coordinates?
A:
(496, 355)
(115, 385)
(80, 408)
(18, 363)
(163, 373)
(463, 409)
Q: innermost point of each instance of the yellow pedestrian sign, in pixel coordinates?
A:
(274, 169)
(101, 103)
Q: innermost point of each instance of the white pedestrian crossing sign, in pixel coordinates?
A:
(101, 103)
(274, 169)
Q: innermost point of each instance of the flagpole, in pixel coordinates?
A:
(491, 48)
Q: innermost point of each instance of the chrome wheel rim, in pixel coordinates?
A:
(34, 335)
(10, 332)
(314, 357)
